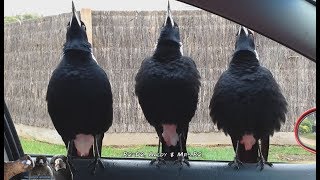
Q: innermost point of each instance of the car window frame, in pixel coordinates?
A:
(301, 39)
(15, 151)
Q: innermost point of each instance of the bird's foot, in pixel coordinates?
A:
(96, 162)
(182, 160)
(158, 161)
(236, 163)
(262, 162)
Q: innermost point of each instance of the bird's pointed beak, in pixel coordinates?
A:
(75, 19)
(243, 31)
(245, 41)
(168, 20)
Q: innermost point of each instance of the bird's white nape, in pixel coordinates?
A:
(256, 53)
(94, 58)
(181, 49)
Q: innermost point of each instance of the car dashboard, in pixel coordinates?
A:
(141, 169)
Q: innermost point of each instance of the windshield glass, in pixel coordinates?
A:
(121, 41)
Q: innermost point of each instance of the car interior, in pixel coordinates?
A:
(264, 17)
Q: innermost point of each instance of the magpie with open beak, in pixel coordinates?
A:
(167, 87)
(79, 96)
(247, 103)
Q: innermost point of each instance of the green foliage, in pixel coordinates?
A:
(306, 122)
(20, 18)
(304, 129)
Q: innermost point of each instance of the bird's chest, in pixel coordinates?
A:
(247, 85)
(71, 72)
(168, 71)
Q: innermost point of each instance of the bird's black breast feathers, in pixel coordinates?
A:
(168, 91)
(79, 97)
(247, 100)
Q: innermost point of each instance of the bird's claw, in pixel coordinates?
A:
(72, 168)
(262, 162)
(95, 163)
(269, 164)
(158, 160)
(236, 163)
(182, 160)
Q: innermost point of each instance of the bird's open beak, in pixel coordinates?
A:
(169, 20)
(243, 31)
(75, 18)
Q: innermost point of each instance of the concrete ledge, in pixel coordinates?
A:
(127, 139)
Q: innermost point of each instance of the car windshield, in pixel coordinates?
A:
(312, 1)
(121, 40)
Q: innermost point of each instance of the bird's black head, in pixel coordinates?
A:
(41, 161)
(170, 30)
(245, 41)
(76, 37)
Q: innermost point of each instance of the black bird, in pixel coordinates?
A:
(167, 86)
(79, 96)
(41, 168)
(247, 103)
(60, 168)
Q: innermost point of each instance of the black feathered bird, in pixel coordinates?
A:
(247, 103)
(41, 168)
(60, 168)
(79, 96)
(167, 86)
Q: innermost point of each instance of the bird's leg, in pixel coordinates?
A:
(69, 155)
(97, 159)
(181, 159)
(236, 162)
(158, 159)
(262, 161)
